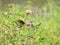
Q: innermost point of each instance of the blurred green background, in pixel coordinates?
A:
(45, 12)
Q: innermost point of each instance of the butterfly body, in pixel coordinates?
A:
(21, 22)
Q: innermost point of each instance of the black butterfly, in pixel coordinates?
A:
(21, 22)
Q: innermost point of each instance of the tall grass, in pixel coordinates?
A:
(47, 33)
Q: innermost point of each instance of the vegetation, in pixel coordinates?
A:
(36, 30)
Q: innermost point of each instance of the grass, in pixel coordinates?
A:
(47, 33)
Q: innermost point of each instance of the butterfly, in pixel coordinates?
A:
(21, 22)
